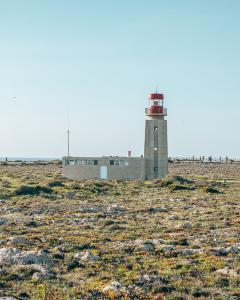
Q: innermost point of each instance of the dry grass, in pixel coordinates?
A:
(139, 243)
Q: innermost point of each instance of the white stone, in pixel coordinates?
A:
(114, 286)
(30, 257)
(16, 256)
(7, 255)
(227, 271)
(158, 241)
(86, 256)
(190, 251)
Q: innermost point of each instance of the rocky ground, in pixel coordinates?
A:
(175, 238)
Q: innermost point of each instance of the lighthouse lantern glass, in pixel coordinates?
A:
(156, 102)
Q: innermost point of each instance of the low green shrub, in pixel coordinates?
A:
(212, 190)
(56, 183)
(32, 190)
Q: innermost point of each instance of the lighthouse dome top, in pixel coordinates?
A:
(157, 96)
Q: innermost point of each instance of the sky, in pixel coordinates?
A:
(89, 65)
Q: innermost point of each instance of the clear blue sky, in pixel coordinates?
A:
(100, 59)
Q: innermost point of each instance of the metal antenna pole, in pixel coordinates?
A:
(68, 134)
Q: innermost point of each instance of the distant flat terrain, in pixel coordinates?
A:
(172, 238)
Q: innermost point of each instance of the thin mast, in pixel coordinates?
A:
(68, 140)
(68, 133)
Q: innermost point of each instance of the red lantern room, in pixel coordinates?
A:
(155, 103)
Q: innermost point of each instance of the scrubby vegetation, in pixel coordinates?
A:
(31, 190)
(174, 238)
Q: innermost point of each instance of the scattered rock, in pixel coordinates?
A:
(16, 256)
(7, 255)
(167, 248)
(151, 278)
(30, 257)
(43, 276)
(70, 195)
(3, 221)
(227, 271)
(172, 218)
(24, 272)
(86, 256)
(187, 225)
(114, 287)
(159, 242)
(233, 249)
(219, 251)
(144, 246)
(189, 251)
(115, 209)
(18, 240)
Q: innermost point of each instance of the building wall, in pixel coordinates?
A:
(156, 149)
(131, 168)
(81, 172)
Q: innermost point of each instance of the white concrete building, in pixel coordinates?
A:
(154, 163)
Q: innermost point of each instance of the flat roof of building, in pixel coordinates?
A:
(99, 157)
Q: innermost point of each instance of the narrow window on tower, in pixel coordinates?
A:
(155, 148)
(155, 128)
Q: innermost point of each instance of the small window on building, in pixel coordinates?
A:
(95, 162)
(155, 128)
(155, 148)
(123, 162)
(82, 162)
(71, 162)
(118, 162)
(155, 169)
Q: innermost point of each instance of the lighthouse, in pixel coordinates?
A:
(154, 163)
(156, 146)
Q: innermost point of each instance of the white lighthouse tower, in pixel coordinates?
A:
(156, 146)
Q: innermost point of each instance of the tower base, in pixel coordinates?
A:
(156, 148)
